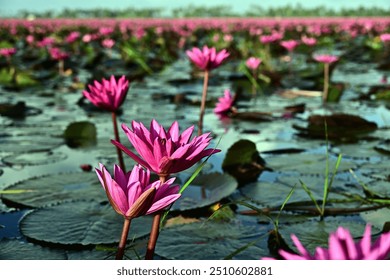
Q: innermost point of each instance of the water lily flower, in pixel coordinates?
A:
(385, 37)
(207, 58)
(165, 152)
(131, 195)
(109, 94)
(253, 63)
(290, 45)
(309, 41)
(225, 104)
(7, 52)
(326, 58)
(343, 247)
(108, 43)
(58, 54)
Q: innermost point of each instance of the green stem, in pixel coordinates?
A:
(122, 242)
(203, 102)
(118, 151)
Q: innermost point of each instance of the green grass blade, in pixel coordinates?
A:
(307, 190)
(276, 223)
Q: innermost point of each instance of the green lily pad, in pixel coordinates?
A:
(314, 233)
(56, 188)
(243, 162)
(340, 127)
(80, 223)
(307, 163)
(383, 147)
(205, 190)
(211, 241)
(135, 250)
(80, 134)
(29, 143)
(34, 158)
(14, 249)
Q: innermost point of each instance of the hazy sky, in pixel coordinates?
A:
(9, 7)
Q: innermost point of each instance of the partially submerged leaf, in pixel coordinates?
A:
(80, 134)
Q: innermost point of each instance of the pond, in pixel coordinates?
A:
(52, 139)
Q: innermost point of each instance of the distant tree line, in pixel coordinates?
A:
(216, 11)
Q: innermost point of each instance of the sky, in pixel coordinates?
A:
(11, 7)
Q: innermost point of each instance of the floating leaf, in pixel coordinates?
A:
(30, 143)
(80, 223)
(340, 127)
(205, 190)
(80, 134)
(52, 189)
(211, 241)
(243, 162)
(305, 163)
(18, 250)
(34, 158)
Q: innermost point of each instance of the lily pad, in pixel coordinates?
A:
(383, 147)
(56, 188)
(80, 134)
(314, 234)
(34, 158)
(135, 250)
(243, 162)
(18, 250)
(205, 190)
(212, 241)
(340, 127)
(30, 143)
(80, 223)
(306, 163)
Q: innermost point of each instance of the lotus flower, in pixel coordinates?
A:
(326, 58)
(108, 43)
(207, 58)
(109, 94)
(253, 63)
(7, 52)
(165, 152)
(309, 41)
(225, 104)
(385, 37)
(290, 45)
(131, 195)
(342, 247)
(57, 54)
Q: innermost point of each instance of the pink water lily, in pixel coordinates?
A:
(109, 94)
(343, 247)
(165, 152)
(7, 52)
(326, 58)
(207, 58)
(58, 54)
(290, 45)
(225, 104)
(253, 63)
(385, 37)
(131, 195)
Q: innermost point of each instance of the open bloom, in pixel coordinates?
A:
(165, 152)
(290, 45)
(109, 94)
(225, 103)
(207, 58)
(108, 43)
(7, 52)
(385, 37)
(131, 195)
(343, 247)
(326, 58)
(58, 54)
(309, 41)
(253, 62)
